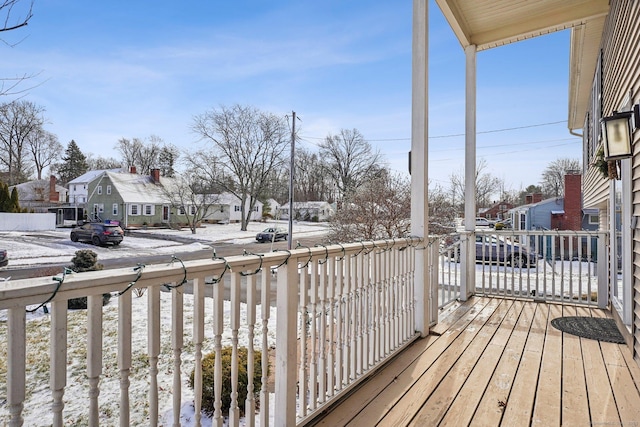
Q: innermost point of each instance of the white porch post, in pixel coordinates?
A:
(419, 160)
(467, 282)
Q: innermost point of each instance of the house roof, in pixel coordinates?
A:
(228, 199)
(134, 188)
(35, 190)
(490, 23)
(91, 175)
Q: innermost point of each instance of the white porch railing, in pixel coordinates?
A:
(340, 311)
(546, 265)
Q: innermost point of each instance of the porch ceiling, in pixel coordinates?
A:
(492, 23)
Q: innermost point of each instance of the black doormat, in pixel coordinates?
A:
(590, 327)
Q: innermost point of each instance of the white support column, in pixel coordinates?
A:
(467, 283)
(419, 159)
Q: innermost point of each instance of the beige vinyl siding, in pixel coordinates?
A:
(621, 63)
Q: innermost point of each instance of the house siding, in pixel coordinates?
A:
(621, 77)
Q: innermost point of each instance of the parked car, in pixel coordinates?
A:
(98, 234)
(495, 249)
(502, 251)
(4, 258)
(502, 224)
(484, 222)
(272, 234)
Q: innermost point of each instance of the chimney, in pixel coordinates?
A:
(132, 169)
(155, 174)
(573, 201)
(54, 196)
(537, 197)
(528, 199)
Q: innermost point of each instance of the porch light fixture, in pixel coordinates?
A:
(616, 132)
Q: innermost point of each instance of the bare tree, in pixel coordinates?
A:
(377, 209)
(19, 120)
(553, 176)
(13, 18)
(311, 181)
(189, 195)
(487, 185)
(100, 162)
(442, 212)
(350, 160)
(45, 149)
(247, 145)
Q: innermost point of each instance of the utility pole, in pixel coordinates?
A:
(291, 172)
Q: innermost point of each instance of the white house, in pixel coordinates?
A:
(308, 211)
(235, 207)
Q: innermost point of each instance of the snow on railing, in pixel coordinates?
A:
(332, 314)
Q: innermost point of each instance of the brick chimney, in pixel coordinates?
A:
(155, 174)
(132, 169)
(573, 200)
(537, 197)
(528, 199)
(54, 196)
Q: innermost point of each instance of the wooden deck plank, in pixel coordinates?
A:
(575, 407)
(468, 397)
(546, 409)
(622, 384)
(403, 363)
(602, 404)
(520, 405)
(496, 396)
(451, 380)
(436, 406)
(425, 372)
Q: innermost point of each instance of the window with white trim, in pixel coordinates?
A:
(99, 189)
(181, 210)
(149, 209)
(115, 209)
(134, 209)
(108, 189)
(236, 208)
(192, 210)
(594, 219)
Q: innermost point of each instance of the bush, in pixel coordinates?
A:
(208, 375)
(85, 260)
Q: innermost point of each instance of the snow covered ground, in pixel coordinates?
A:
(42, 247)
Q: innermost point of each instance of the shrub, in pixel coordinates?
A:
(208, 375)
(85, 260)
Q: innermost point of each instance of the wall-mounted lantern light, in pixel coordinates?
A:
(616, 132)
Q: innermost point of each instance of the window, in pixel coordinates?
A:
(135, 210)
(99, 189)
(255, 209)
(594, 219)
(74, 187)
(148, 209)
(108, 189)
(236, 208)
(192, 210)
(181, 210)
(115, 209)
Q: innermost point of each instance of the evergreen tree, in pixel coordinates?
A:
(167, 159)
(14, 203)
(5, 198)
(74, 163)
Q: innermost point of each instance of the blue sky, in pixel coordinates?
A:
(136, 69)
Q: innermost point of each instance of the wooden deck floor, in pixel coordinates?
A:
(499, 362)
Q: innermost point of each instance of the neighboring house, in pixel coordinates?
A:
(274, 208)
(498, 210)
(308, 211)
(40, 195)
(235, 207)
(132, 200)
(556, 213)
(79, 187)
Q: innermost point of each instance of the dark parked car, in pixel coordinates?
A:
(98, 234)
(272, 234)
(496, 249)
(4, 258)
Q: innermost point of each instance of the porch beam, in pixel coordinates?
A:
(419, 160)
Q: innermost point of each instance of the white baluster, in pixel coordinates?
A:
(153, 349)
(124, 354)
(265, 312)
(313, 324)
(58, 347)
(218, 328)
(177, 342)
(250, 403)
(16, 352)
(198, 337)
(94, 355)
(304, 317)
(234, 410)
